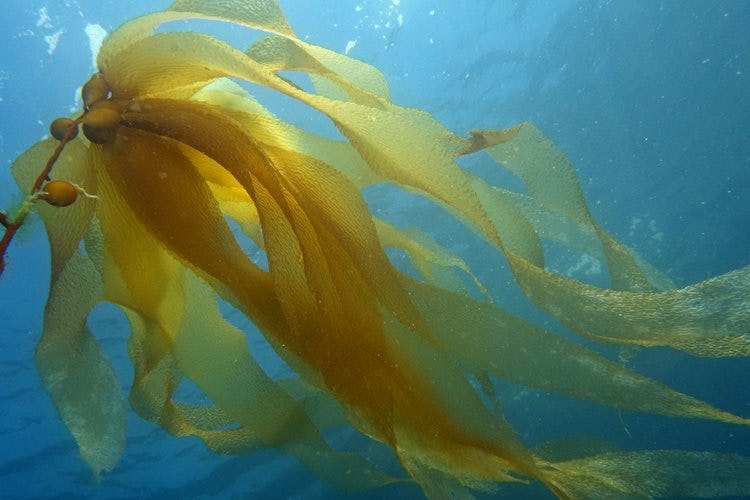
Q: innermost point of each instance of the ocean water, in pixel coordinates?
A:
(649, 99)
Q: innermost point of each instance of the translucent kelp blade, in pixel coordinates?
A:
(476, 448)
(410, 135)
(155, 305)
(256, 13)
(353, 79)
(516, 231)
(557, 227)
(287, 52)
(227, 94)
(81, 382)
(528, 151)
(494, 341)
(220, 364)
(332, 203)
(430, 258)
(552, 182)
(232, 198)
(710, 318)
(435, 263)
(162, 64)
(658, 473)
(684, 409)
(77, 376)
(692, 319)
(128, 34)
(268, 131)
(263, 14)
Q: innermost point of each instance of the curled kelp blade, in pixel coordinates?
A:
(557, 227)
(334, 75)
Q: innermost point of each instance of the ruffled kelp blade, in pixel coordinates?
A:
(389, 354)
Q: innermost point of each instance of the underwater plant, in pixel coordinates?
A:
(172, 148)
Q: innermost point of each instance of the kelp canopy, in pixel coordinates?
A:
(174, 149)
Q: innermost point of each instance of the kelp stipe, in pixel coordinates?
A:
(172, 147)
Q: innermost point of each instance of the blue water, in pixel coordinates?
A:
(649, 99)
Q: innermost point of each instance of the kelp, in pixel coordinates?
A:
(175, 150)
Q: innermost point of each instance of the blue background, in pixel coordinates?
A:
(649, 99)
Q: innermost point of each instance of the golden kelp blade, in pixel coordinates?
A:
(393, 355)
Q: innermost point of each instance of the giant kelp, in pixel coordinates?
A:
(173, 148)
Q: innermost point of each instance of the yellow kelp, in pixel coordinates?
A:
(173, 149)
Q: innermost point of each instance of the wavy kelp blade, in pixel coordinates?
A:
(268, 131)
(658, 473)
(220, 364)
(502, 205)
(334, 75)
(76, 374)
(283, 236)
(557, 227)
(79, 379)
(258, 12)
(551, 181)
(429, 258)
(706, 319)
(155, 304)
(434, 263)
(232, 198)
(264, 14)
(333, 204)
(710, 318)
(491, 340)
(189, 59)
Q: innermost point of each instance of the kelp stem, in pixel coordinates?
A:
(13, 223)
